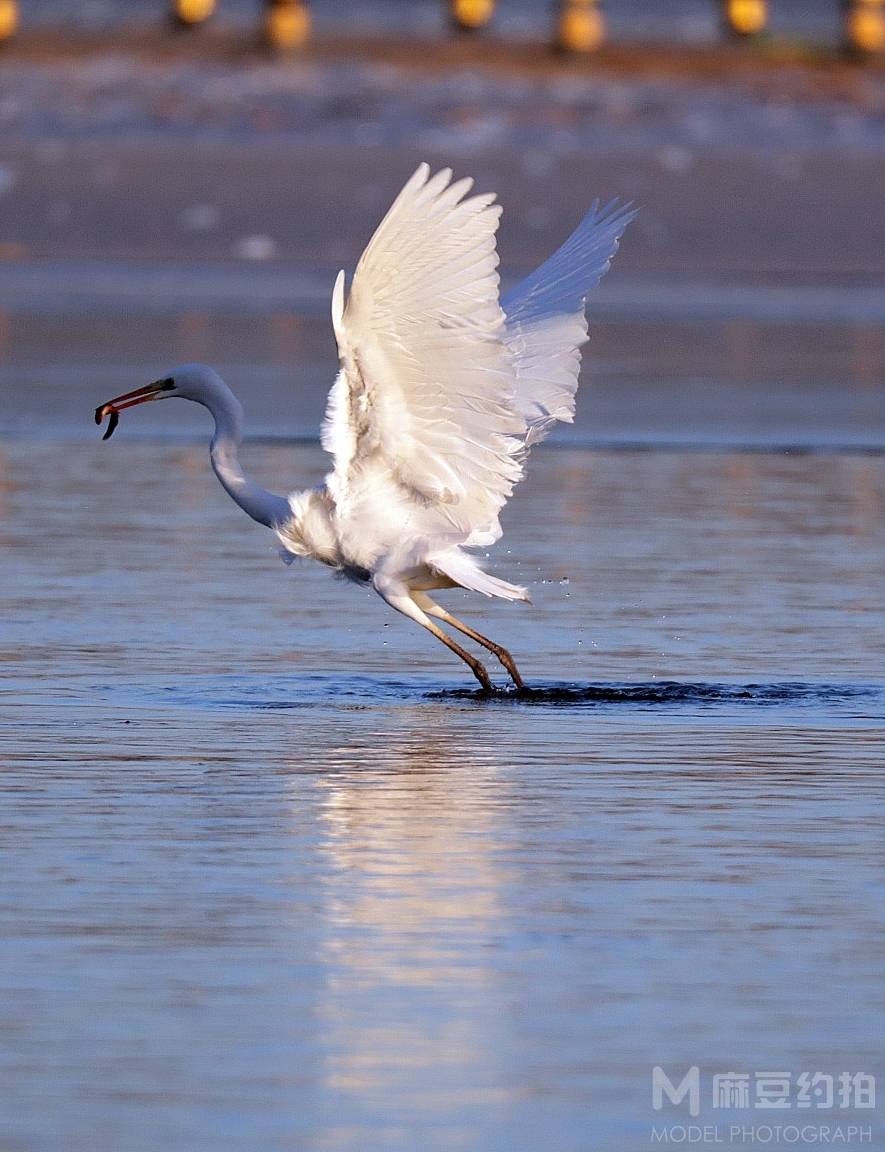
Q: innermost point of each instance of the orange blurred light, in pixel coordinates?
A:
(193, 11)
(746, 17)
(287, 24)
(8, 18)
(472, 14)
(865, 27)
(581, 26)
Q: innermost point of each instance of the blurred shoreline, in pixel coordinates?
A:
(141, 145)
(168, 198)
(803, 66)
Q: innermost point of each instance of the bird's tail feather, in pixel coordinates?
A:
(466, 573)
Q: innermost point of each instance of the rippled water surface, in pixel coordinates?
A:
(276, 877)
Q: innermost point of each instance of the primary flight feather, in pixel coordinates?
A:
(442, 389)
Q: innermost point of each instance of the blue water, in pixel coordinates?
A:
(274, 874)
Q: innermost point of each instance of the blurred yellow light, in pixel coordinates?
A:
(287, 25)
(746, 17)
(865, 28)
(194, 11)
(581, 27)
(472, 13)
(8, 18)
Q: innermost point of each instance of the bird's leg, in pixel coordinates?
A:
(433, 609)
(398, 597)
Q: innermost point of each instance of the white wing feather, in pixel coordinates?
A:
(546, 324)
(426, 387)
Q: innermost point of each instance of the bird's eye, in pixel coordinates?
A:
(167, 384)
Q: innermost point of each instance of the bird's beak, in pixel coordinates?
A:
(128, 400)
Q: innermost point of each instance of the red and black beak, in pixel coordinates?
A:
(114, 407)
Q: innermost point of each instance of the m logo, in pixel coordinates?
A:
(689, 1086)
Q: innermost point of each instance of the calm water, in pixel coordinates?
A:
(275, 877)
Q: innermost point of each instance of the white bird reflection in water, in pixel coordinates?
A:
(414, 917)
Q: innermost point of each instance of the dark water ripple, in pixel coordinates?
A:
(672, 692)
(311, 691)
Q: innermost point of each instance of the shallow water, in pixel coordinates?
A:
(275, 876)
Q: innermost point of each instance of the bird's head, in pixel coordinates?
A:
(189, 382)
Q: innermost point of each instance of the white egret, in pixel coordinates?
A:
(442, 390)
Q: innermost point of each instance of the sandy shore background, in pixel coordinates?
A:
(143, 175)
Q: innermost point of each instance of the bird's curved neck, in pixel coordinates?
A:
(266, 507)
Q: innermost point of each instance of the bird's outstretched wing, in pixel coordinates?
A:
(546, 324)
(426, 387)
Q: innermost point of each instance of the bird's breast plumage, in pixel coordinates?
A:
(310, 530)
